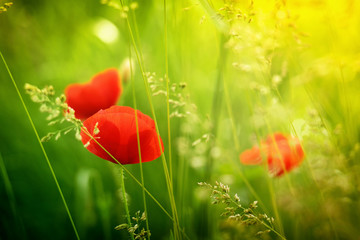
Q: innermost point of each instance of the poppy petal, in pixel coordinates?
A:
(101, 92)
(283, 153)
(251, 156)
(118, 135)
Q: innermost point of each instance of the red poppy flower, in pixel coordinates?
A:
(115, 129)
(283, 153)
(101, 92)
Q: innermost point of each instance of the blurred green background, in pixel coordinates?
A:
(282, 62)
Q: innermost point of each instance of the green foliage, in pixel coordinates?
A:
(237, 70)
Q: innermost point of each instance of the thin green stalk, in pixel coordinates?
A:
(165, 167)
(347, 116)
(219, 23)
(266, 77)
(217, 100)
(282, 160)
(127, 171)
(98, 188)
(137, 34)
(237, 145)
(166, 170)
(123, 190)
(308, 164)
(167, 90)
(231, 115)
(8, 186)
(11, 196)
(257, 219)
(138, 142)
(252, 190)
(331, 222)
(275, 207)
(42, 147)
(271, 189)
(206, 224)
(318, 108)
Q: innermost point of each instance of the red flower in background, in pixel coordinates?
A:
(283, 153)
(115, 129)
(101, 92)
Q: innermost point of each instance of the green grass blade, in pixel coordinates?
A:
(167, 80)
(42, 147)
(123, 190)
(138, 142)
(165, 167)
(11, 196)
(129, 173)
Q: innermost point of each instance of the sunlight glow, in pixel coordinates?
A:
(106, 31)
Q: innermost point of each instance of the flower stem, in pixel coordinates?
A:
(123, 190)
(138, 142)
(175, 218)
(129, 173)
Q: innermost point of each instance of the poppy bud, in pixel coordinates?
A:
(127, 66)
(101, 92)
(283, 153)
(115, 130)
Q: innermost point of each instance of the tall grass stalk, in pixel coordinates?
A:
(269, 182)
(138, 142)
(217, 101)
(11, 196)
(261, 222)
(134, 178)
(319, 109)
(166, 169)
(309, 168)
(128, 172)
(175, 227)
(266, 77)
(288, 180)
(237, 145)
(275, 207)
(84, 180)
(206, 225)
(123, 190)
(231, 115)
(42, 147)
(348, 120)
(167, 90)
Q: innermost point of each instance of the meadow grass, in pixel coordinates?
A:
(41, 146)
(250, 69)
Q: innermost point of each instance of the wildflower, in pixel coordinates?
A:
(101, 92)
(283, 153)
(115, 130)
